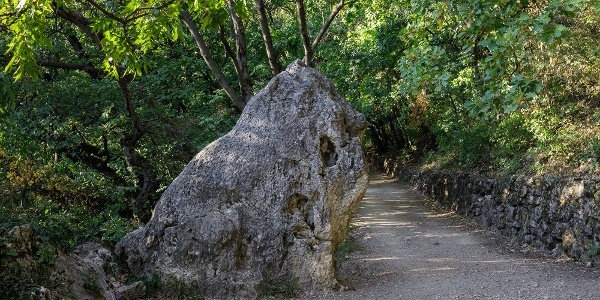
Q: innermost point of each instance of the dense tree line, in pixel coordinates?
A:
(102, 103)
(491, 86)
(123, 45)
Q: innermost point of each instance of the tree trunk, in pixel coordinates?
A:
(81, 22)
(147, 180)
(244, 79)
(228, 50)
(212, 65)
(266, 33)
(395, 133)
(142, 206)
(377, 141)
(308, 53)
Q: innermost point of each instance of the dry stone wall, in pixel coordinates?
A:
(556, 215)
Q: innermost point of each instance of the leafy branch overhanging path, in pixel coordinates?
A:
(412, 250)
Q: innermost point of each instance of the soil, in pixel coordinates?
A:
(411, 249)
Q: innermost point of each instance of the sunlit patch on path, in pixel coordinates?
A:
(410, 250)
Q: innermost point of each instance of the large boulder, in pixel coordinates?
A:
(268, 202)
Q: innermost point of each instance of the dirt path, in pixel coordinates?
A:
(411, 250)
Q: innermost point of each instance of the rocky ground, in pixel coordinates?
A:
(411, 249)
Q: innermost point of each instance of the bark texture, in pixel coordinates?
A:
(210, 62)
(266, 33)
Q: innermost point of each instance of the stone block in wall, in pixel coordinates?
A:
(555, 215)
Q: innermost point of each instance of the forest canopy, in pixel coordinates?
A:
(102, 103)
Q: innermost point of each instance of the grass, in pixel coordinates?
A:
(91, 283)
(344, 249)
(281, 288)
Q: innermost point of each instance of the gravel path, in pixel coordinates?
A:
(413, 250)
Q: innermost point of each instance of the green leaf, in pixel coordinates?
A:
(523, 17)
(544, 19)
(558, 31)
(241, 9)
(510, 108)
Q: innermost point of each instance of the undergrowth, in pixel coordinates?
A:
(346, 247)
(285, 288)
(54, 229)
(543, 140)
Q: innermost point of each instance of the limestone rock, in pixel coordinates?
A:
(268, 202)
(79, 274)
(20, 246)
(130, 292)
(83, 271)
(40, 293)
(23, 239)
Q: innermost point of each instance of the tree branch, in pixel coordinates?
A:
(212, 65)
(266, 33)
(94, 72)
(138, 12)
(129, 144)
(81, 22)
(327, 23)
(308, 53)
(106, 12)
(228, 49)
(5, 19)
(244, 79)
(137, 124)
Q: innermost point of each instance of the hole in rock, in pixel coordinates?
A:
(309, 218)
(328, 154)
(305, 207)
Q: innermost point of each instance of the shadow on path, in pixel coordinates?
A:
(410, 250)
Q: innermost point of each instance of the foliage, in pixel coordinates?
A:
(344, 249)
(63, 139)
(23, 273)
(565, 141)
(151, 285)
(91, 283)
(7, 97)
(494, 86)
(17, 284)
(482, 47)
(361, 59)
(55, 230)
(593, 249)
